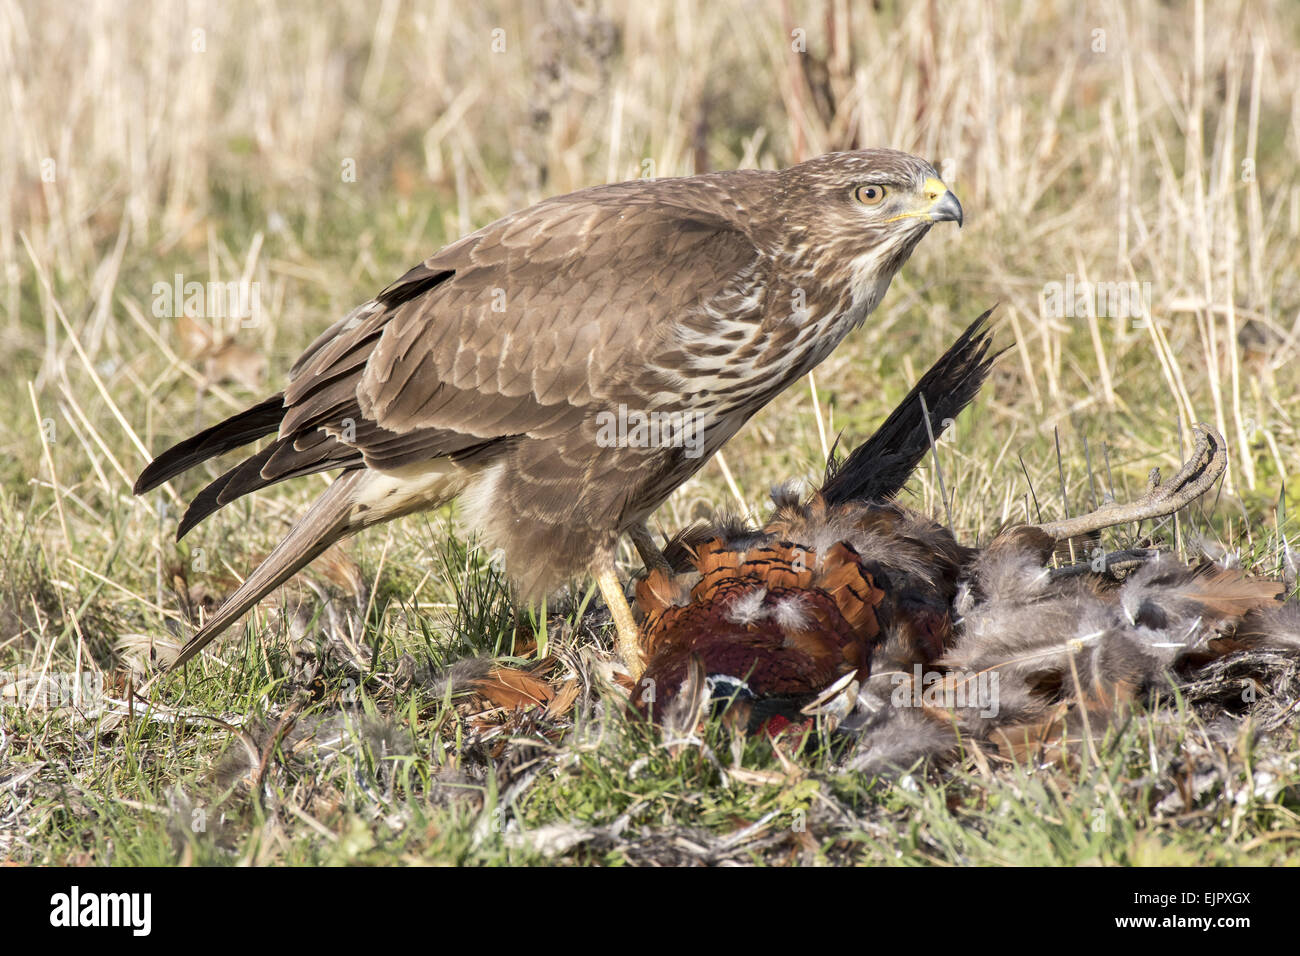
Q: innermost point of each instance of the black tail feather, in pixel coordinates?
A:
(247, 426)
(878, 468)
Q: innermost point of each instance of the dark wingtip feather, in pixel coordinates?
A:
(247, 426)
(414, 283)
(238, 481)
(878, 468)
(205, 503)
(275, 463)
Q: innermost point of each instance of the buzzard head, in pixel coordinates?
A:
(881, 191)
(855, 217)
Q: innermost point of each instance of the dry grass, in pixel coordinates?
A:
(321, 154)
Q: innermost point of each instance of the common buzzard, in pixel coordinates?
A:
(563, 369)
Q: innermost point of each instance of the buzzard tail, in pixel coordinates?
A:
(328, 520)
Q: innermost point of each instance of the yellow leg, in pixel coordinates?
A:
(629, 639)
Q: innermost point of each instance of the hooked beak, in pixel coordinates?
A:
(937, 204)
(945, 207)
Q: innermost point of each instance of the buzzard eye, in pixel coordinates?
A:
(869, 195)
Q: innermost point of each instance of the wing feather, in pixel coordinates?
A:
(560, 317)
(521, 329)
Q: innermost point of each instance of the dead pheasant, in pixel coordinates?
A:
(851, 604)
(778, 615)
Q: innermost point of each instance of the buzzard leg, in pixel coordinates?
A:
(629, 637)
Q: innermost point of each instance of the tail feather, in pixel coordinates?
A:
(247, 426)
(878, 468)
(328, 520)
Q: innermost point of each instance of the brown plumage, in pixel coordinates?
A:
(494, 370)
(771, 623)
(1040, 655)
